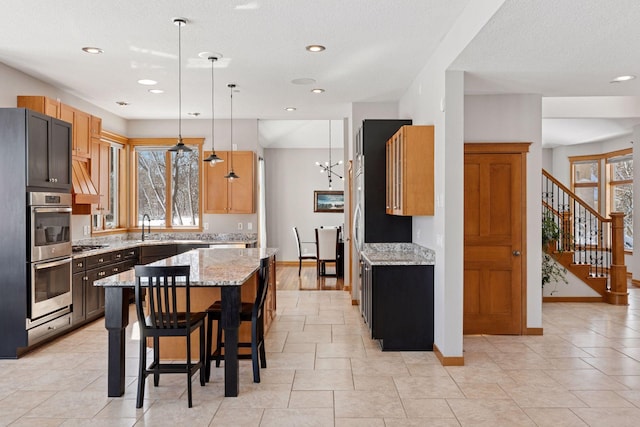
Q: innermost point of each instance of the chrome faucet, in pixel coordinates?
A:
(146, 216)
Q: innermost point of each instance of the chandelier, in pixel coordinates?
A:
(327, 167)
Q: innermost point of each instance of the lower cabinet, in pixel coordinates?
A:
(88, 300)
(397, 305)
(149, 254)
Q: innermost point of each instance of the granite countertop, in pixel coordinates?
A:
(209, 267)
(398, 254)
(119, 244)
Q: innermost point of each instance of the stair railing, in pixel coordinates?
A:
(593, 239)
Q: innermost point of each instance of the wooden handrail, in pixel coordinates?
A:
(582, 202)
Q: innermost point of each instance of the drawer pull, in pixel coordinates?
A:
(100, 259)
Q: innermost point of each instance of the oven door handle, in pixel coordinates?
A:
(47, 210)
(41, 266)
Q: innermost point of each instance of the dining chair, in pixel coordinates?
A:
(162, 318)
(327, 249)
(302, 257)
(249, 312)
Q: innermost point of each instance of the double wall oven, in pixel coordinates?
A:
(49, 257)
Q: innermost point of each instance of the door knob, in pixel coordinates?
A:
(516, 253)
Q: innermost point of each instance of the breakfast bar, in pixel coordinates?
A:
(227, 269)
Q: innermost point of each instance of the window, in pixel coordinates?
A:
(621, 194)
(167, 184)
(108, 171)
(112, 215)
(585, 181)
(616, 184)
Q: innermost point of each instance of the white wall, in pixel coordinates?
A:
(16, 83)
(291, 178)
(435, 97)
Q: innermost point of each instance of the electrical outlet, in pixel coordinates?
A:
(239, 226)
(206, 225)
(249, 226)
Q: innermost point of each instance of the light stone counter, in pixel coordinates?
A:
(209, 267)
(398, 254)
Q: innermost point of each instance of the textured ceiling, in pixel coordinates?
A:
(375, 48)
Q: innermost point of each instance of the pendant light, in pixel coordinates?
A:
(180, 147)
(213, 159)
(232, 175)
(328, 166)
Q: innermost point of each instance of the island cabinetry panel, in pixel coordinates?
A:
(410, 171)
(224, 196)
(398, 305)
(153, 253)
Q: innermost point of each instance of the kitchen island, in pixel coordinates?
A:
(226, 269)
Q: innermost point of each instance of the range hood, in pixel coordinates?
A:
(84, 192)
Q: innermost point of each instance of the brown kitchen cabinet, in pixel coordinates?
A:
(41, 104)
(84, 124)
(409, 171)
(222, 196)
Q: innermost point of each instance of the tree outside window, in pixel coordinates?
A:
(621, 172)
(168, 186)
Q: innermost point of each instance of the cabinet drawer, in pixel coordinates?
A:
(79, 265)
(99, 260)
(131, 253)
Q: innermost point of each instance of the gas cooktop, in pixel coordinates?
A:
(84, 248)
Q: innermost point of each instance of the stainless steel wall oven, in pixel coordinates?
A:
(49, 269)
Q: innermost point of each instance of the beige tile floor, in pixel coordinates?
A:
(324, 371)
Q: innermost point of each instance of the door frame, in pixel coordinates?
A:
(521, 148)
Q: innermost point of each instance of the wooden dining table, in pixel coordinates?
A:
(227, 269)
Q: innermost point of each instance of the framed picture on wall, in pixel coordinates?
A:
(328, 201)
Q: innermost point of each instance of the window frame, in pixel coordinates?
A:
(122, 143)
(196, 143)
(605, 183)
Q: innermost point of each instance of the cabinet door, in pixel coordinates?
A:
(38, 131)
(96, 127)
(60, 154)
(81, 139)
(94, 295)
(215, 185)
(78, 285)
(241, 199)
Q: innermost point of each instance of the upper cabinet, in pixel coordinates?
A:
(409, 171)
(48, 153)
(84, 125)
(224, 196)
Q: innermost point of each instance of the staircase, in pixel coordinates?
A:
(588, 245)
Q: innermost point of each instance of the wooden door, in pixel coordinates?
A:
(494, 223)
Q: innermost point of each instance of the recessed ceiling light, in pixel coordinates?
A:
(195, 114)
(156, 90)
(147, 82)
(315, 48)
(317, 90)
(122, 103)
(290, 109)
(93, 50)
(303, 81)
(622, 79)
